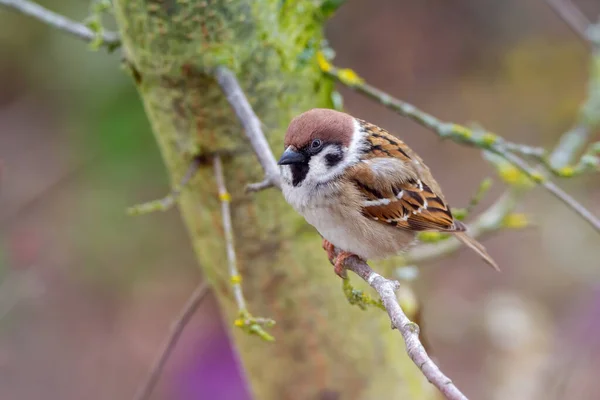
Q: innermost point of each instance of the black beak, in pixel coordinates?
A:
(291, 157)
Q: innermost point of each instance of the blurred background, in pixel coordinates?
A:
(87, 294)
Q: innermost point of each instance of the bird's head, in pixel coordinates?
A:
(319, 145)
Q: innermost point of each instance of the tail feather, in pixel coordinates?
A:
(477, 247)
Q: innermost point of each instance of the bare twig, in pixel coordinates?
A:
(169, 200)
(225, 198)
(145, 389)
(569, 144)
(445, 130)
(60, 22)
(574, 140)
(386, 289)
(258, 186)
(246, 321)
(555, 190)
(251, 123)
(572, 16)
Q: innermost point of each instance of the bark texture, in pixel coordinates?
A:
(325, 348)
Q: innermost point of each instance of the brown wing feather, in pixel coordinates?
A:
(384, 144)
(403, 194)
(408, 205)
(399, 190)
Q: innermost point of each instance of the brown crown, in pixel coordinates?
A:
(320, 123)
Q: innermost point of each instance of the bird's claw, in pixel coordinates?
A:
(339, 267)
(337, 261)
(330, 249)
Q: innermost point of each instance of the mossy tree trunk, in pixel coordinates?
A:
(325, 348)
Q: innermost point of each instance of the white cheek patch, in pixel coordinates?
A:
(319, 171)
(351, 155)
(318, 165)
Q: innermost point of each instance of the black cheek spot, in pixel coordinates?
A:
(333, 159)
(299, 172)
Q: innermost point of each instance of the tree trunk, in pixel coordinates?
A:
(325, 348)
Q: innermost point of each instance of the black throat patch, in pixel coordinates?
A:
(299, 172)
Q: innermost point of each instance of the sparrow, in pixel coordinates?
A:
(364, 190)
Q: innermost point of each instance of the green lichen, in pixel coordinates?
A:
(359, 298)
(461, 131)
(255, 325)
(489, 139)
(516, 221)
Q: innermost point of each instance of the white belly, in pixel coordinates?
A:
(352, 232)
(344, 226)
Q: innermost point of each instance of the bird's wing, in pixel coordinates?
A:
(404, 202)
(397, 187)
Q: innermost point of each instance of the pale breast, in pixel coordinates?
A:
(334, 210)
(352, 232)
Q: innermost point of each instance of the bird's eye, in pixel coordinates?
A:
(316, 144)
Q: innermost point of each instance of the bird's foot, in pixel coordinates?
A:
(339, 267)
(337, 261)
(330, 249)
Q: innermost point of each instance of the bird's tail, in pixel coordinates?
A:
(477, 248)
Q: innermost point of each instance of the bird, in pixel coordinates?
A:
(364, 190)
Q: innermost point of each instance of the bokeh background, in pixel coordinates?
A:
(87, 294)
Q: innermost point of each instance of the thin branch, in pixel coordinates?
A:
(574, 140)
(570, 143)
(250, 122)
(245, 320)
(483, 139)
(458, 133)
(145, 389)
(169, 200)
(572, 16)
(258, 186)
(386, 289)
(554, 189)
(530, 151)
(445, 130)
(225, 198)
(60, 22)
